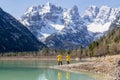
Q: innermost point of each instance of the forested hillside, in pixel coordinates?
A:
(109, 44)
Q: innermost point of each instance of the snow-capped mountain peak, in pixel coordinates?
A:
(54, 24)
(48, 4)
(103, 14)
(31, 9)
(49, 7)
(74, 10)
(43, 20)
(90, 13)
(103, 19)
(92, 9)
(104, 7)
(71, 14)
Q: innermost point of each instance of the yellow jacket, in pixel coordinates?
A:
(68, 58)
(59, 57)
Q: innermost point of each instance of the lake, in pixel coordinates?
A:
(36, 70)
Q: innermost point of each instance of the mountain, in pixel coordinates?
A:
(43, 20)
(57, 27)
(90, 13)
(109, 44)
(116, 22)
(64, 28)
(15, 37)
(73, 35)
(100, 19)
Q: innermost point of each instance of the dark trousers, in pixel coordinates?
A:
(59, 62)
(68, 62)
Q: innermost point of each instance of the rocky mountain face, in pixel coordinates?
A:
(73, 35)
(64, 28)
(102, 19)
(43, 20)
(90, 13)
(116, 22)
(16, 37)
(99, 20)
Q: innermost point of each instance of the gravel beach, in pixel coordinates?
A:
(109, 65)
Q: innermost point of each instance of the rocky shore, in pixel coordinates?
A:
(109, 65)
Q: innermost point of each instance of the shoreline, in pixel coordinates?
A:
(104, 67)
(108, 66)
(28, 58)
(96, 76)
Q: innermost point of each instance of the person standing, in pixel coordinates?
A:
(59, 57)
(68, 58)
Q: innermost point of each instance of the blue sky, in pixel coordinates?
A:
(18, 7)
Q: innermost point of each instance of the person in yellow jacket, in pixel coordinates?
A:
(59, 57)
(68, 58)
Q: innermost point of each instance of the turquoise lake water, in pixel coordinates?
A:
(36, 70)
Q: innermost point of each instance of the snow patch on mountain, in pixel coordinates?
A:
(94, 27)
(58, 26)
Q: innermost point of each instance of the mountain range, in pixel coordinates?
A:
(63, 28)
(15, 37)
(108, 44)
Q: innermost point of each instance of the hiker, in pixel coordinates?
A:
(59, 57)
(68, 58)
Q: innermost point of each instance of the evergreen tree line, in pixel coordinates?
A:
(107, 45)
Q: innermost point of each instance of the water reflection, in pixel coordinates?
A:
(27, 70)
(59, 75)
(67, 75)
(49, 74)
(40, 74)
